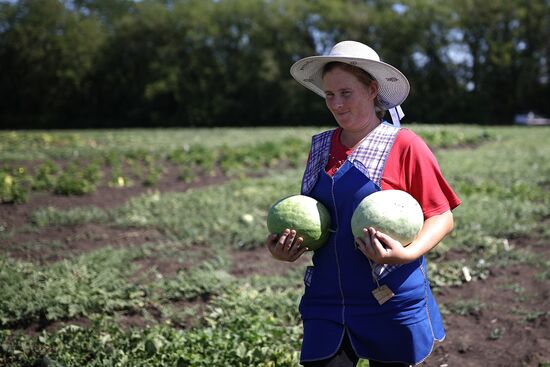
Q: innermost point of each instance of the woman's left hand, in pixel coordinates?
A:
(382, 249)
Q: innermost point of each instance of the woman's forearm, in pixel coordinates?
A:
(433, 231)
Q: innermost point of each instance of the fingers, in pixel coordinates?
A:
(296, 246)
(378, 246)
(370, 245)
(382, 248)
(289, 238)
(364, 243)
(285, 240)
(385, 240)
(299, 252)
(287, 246)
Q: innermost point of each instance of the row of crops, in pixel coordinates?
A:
(141, 167)
(77, 164)
(203, 314)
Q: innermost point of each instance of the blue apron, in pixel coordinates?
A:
(338, 288)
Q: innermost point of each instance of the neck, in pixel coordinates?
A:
(351, 138)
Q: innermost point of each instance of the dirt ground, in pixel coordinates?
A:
(509, 328)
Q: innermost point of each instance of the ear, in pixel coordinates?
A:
(373, 89)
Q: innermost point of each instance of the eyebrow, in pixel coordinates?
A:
(338, 90)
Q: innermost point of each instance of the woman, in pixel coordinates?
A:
(366, 297)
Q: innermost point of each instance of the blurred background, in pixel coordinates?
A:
(190, 63)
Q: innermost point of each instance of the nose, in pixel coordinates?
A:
(337, 104)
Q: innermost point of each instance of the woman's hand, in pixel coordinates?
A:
(286, 247)
(382, 249)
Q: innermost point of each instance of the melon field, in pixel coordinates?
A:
(146, 247)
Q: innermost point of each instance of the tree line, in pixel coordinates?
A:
(103, 63)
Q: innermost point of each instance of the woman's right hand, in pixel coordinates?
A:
(286, 247)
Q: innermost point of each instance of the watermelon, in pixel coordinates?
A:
(307, 216)
(393, 212)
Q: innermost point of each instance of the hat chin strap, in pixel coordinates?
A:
(396, 114)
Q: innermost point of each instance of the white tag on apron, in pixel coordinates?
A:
(382, 294)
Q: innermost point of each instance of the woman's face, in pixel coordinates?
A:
(350, 101)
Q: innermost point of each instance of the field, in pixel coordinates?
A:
(145, 247)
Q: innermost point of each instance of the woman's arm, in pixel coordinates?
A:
(383, 249)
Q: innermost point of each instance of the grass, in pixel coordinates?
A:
(212, 215)
(93, 283)
(244, 327)
(63, 144)
(39, 145)
(49, 216)
(79, 170)
(503, 185)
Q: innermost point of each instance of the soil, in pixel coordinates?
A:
(507, 323)
(510, 328)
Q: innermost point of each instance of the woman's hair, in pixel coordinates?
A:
(362, 76)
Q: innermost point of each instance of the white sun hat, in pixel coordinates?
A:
(393, 86)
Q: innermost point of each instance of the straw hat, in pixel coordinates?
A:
(393, 86)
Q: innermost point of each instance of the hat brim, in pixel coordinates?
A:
(393, 86)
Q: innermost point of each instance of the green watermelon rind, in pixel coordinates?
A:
(292, 212)
(393, 212)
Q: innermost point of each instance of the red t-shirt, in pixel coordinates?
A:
(411, 167)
